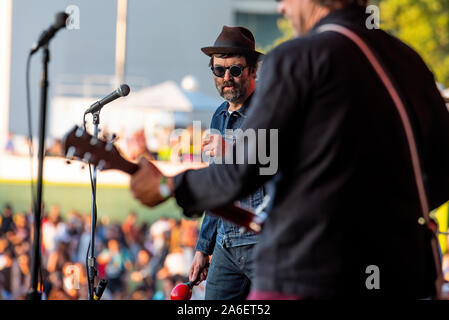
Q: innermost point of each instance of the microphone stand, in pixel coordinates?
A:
(91, 261)
(34, 293)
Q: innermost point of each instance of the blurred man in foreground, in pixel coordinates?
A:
(347, 219)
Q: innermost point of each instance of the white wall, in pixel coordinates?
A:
(5, 57)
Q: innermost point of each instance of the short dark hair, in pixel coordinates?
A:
(331, 3)
(251, 60)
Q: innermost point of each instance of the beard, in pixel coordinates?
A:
(234, 95)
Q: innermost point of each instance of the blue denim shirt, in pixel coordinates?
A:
(214, 229)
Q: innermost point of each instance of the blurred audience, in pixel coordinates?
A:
(7, 221)
(140, 261)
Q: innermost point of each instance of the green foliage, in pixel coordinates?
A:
(424, 25)
(287, 33)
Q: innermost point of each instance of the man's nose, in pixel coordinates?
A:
(227, 75)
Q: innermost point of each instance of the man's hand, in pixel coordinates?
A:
(200, 265)
(214, 145)
(145, 183)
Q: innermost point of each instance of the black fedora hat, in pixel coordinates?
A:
(233, 40)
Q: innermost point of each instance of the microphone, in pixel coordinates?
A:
(121, 91)
(60, 22)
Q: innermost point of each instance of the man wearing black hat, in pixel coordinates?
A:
(233, 62)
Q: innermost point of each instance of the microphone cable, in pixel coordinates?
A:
(93, 221)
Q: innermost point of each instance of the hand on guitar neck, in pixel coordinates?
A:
(146, 182)
(146, 178)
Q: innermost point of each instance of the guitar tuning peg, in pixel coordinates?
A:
(101, 165)
(70, 152)
(79, 132)
(87, 156)
(93, 141)
(109, 146)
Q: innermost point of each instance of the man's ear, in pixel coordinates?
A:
(253, 71)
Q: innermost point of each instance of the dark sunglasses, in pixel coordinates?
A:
(235, 70)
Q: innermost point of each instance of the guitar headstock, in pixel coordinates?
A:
(79, 144)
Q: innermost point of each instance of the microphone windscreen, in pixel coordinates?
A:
(123, 90)
(60, 20)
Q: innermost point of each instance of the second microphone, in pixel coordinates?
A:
(121, 91)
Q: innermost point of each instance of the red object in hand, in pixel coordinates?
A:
(182, 291)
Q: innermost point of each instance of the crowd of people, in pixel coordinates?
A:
(140, 261)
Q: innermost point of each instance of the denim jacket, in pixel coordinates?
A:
(214, 229)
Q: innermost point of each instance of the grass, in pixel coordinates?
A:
(114, 202)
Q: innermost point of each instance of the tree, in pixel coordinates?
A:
(424, 25)
(287, 34)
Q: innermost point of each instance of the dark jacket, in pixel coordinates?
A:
(214, 229)
(347, 197)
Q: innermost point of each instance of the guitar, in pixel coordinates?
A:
(80, 145)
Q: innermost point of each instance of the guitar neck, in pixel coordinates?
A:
(128, 167)
(230, 212)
